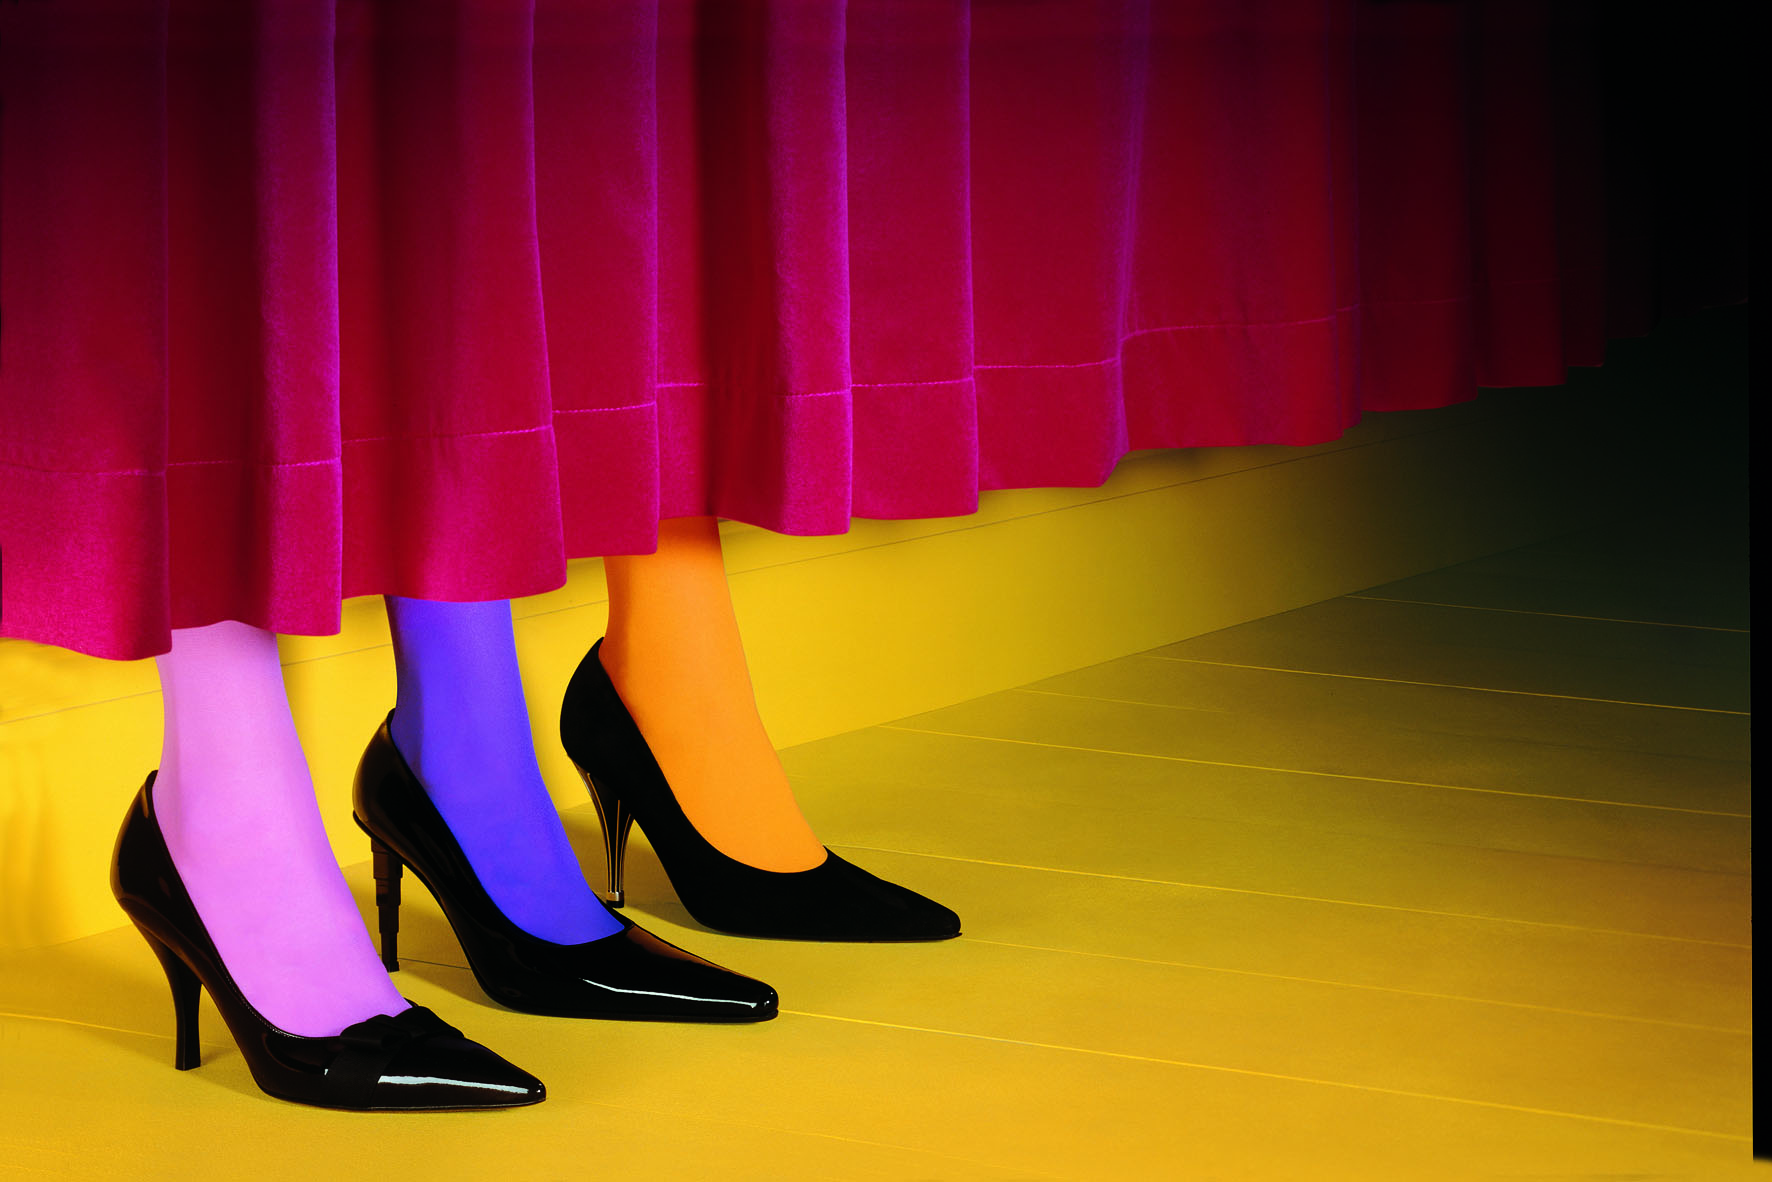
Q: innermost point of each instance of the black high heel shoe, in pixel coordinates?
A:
(835, 900)
(627, 974)
(412, 1061)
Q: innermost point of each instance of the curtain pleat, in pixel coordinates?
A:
(304, 301)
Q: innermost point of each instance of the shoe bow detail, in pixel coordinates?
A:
(410, 1061)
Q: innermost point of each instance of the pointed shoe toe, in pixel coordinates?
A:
(889, 911)
(836, 901)
(412, 1061)
(630, 974)
(659, 976)
(444, 1071)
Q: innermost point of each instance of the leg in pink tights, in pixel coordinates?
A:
(460, 721)
(236, 806)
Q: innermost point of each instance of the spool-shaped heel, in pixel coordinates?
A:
(186, 990)
(616, 821)
(388, 869)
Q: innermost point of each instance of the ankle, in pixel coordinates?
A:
(298, 953)
(717, 758)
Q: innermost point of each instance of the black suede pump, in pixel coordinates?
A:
(629, 974)
(835, 900)
(411, 1061)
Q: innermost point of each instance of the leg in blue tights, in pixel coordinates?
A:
(460, 721)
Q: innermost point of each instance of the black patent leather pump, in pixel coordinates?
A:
(835, 900)
(630, 974)
(412, 1061)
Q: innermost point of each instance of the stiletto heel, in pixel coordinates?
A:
(410, 1061)
(387, 902)
(616, 820)
(630, 973)
(186, 991)
(835, 900)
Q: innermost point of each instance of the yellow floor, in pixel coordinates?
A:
(1446, 879)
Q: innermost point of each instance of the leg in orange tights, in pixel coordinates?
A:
(661, 718)
(674, 654)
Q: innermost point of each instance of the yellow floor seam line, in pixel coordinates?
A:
(1519, 611)
(1304, 1079)
(1487, 1001)
(1257, 767)
(9, 1015)
(839, 1138)
(12, 718)
(1475, 689)
(1200, 886)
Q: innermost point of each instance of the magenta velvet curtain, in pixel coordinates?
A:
(304, 301)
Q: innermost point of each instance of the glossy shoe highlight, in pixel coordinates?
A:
(631, 974)
(835, 900)
(411, 1061)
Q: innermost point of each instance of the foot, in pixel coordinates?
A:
(236, 808)
(674, 655)
(695, 709)
(463, 728)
